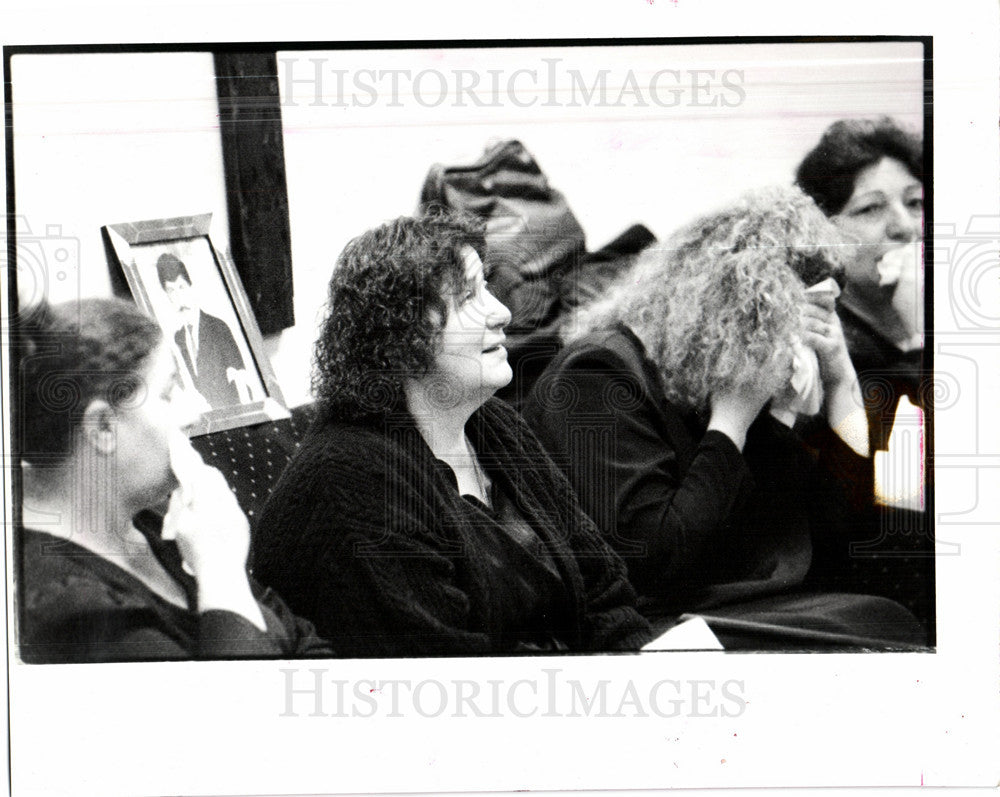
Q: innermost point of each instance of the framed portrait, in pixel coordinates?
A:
(176, 276)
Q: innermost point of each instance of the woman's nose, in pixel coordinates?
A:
(903, 225)
(497, 314)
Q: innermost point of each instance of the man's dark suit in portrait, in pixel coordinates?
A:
(204, 341)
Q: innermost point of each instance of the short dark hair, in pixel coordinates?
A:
(828, 172)
(71, 354)
(386, 310)
(169, 267)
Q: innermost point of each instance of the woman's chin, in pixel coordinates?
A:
(502, 378)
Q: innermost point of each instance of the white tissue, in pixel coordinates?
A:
(908, 298)
(806, 384)
(186, 464)
(829, 285)
(892, 265)
(806, 387)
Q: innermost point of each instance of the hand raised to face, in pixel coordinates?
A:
(824, 335)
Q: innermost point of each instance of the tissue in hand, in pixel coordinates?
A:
(805, 393)
(895, 264)
(186, 464)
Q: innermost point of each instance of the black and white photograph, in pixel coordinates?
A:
(630, 389)
(176, 276)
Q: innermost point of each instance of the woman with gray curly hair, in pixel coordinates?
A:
(673, 407)
(421, 516)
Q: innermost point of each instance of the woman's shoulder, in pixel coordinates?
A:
(612, 339)
(342, 470)
(332, 432)
(614, 348)
(59, 577)
(336, 444)
(610, 361)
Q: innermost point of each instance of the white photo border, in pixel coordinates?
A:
(804, 720)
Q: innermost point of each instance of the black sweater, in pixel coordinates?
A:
(366, 535)
(77, 606)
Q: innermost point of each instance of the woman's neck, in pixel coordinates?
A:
(444, 433)
(66, 502)
(876, 308)
(90, 513)
(442, 427)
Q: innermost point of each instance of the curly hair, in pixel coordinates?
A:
(828, 171)
(719, 301)
(70, 355)
(386, 309)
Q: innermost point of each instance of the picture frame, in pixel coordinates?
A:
(176, 276)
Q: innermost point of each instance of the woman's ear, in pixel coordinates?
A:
(98, 427)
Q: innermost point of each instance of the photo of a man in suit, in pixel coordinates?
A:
(205, 342)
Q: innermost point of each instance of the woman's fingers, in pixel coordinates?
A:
(819, 322)
(820, 333)
(823, 301)
(820, 342)
(810, 310)
(826, 338)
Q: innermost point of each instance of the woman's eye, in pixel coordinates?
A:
(916, 204)
(868, 210)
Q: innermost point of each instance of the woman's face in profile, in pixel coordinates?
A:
(145, 423)
(885, 211)
(472, 360)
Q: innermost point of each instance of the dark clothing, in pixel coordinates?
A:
(217, 351)
(901, 550)
(698, 523)
(77, 606)
(367, 535)
(885, 373)
(526, 579)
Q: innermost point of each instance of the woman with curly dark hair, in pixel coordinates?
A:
(867, 175)
(421, 516)
(673, 407)
(102, 577)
